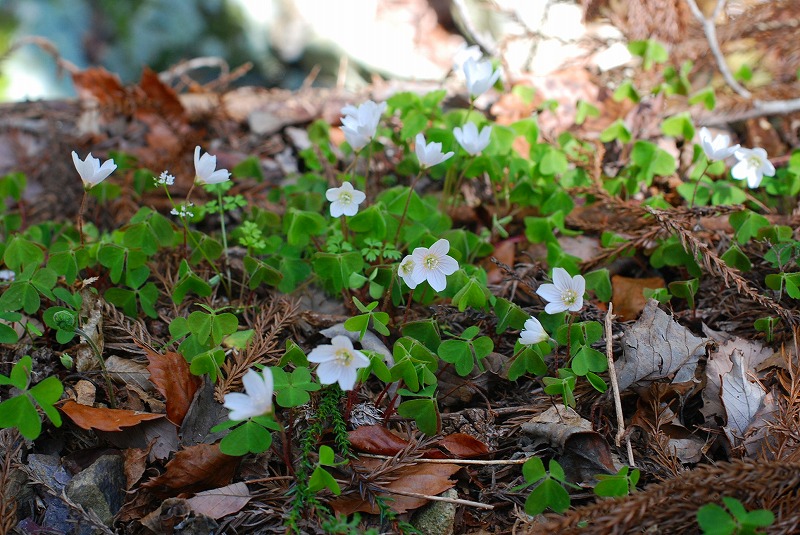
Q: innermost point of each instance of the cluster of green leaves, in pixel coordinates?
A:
(20, 410)
(713, 519)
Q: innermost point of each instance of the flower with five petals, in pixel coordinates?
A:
(90, 170)
(433, 264)
(257, 399)
(480, 76)
(338, 362)
(752, 166)
(344, 199)
(205, 169)
(430, 154)
(469, 138)
(360, 124)
(533, 333)
(566, 293)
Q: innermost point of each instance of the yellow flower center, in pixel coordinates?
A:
(407, 268)
(754, 162)
(569, 296)
(430, 261)
(343, 356)
(345, 198)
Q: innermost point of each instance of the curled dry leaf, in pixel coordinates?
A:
(171, 376)
(742, 399)
(423, 478)
(194, 469)
(463, 446)
(103, 419)
(656, 347)
(128, 372)
(216, 503)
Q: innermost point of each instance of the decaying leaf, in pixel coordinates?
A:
(216, 503)
(422, 478)
(135, 464)
(194, 469)
(171, 376)
(103, 419)
(741, 398)
(377, 440)
(628, 294)
(128, 372)
(656, 347)
(463, 446)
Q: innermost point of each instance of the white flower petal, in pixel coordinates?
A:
(448, 265)
(549, 292)
(437, 280)
(322, 354)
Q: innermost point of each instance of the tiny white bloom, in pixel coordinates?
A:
(533, 333)
(566, 293)
(183, 210)
(360, 124)
(753, 164)
(205, 169)
(430, 154)
(7, 275)
(433, 264)
(90, 170)
(469, 138)
(165, 179)
(338, 362)
(344, 199)
(480, 76)
(463, 54)
(257, 400)
(406, 271)
(717, 148)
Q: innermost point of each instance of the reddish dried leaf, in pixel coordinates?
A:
(216, 503)
(103, 419)
(628, 295)
(423, 478)
(170, 373)
(377, 440)
(98, 83)
(463, 446)
(135, 465)
(505, 251)
(194, 469)
(162, 98)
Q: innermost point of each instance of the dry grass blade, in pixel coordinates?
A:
(119, 330)
(671, 223)
(784, 427)
(10, 446)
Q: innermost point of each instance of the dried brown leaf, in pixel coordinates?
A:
(171, 376)
(194, 469)
(216, 503)
(103, 419)
(463, 446)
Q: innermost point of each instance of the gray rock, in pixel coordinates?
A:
(437, 518)
(48, 469)
(100, 487)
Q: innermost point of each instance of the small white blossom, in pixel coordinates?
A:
(7, 275)
(753, 164)
(90, 170)
(257, 400)
(433, 264)
(566, 293)
(338, 362)
(430, 154)
(533, 333)
(344, 200)
(406, 271)
(463, 54)
(205, 169)
(183, 210)
(165, 179)
(717, 148)
(360, 124)
(480, 76)
(469, 138)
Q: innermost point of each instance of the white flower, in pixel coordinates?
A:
(344, 199)
(433, 264)
(533, 333)
(430, 154)
(359, 124)
(183, 210)
(258, 398)
(338, 362)
(480, 76)
(92, 173)
(165, 179)
(469, 138)
(406, 270)
(718, 148)
(465, 53)
(566, 293)
(7, 275)
(752, 165)
(204, 169)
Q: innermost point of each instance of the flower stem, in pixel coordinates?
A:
(405, 208)
(80, 214)
(697, 184)
(112, 400)
(224, 239)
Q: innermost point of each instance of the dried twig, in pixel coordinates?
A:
(612, 373)
(453, 461)
(457, 501)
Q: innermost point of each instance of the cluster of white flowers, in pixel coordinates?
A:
(183, 210)
(165, 179)
(753, 164)
(360, 124)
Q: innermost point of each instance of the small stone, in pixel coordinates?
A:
(100, 487)
(437, 518)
